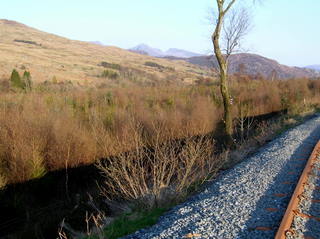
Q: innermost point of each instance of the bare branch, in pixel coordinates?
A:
(236, 26)
(229, 6)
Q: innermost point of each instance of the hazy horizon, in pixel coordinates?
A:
(283, 31)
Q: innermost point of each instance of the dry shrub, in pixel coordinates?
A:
(34, 141)
(264, 131)
(155, 175)
(23, 144)
(44, 131)
(3, 179)
(72, 145)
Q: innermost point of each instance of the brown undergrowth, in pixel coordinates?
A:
(45, 131)
(156, 173)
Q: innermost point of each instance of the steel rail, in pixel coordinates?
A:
(292, 209)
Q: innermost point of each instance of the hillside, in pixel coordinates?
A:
(46, 56)
(253, 64)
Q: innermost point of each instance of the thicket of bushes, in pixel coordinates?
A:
(44, 131)
(21, 83)
(110, 74)
(27, 42)
(110, 65)
(156, 65)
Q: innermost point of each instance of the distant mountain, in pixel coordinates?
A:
(253, 64)
(97, 43)
(313, 67)
(180, 53)
(147, 50)
(173, 52)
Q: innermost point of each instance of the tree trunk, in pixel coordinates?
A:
(227, 104)
(223, 65)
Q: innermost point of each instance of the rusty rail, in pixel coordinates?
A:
(293, 204)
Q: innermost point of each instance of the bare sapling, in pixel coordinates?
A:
(155, 175)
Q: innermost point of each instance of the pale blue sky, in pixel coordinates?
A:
(285, 30)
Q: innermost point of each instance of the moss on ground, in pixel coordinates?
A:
(130, 223)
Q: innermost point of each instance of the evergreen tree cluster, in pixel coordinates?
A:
(23, 83)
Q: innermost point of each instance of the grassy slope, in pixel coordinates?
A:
(73, 60)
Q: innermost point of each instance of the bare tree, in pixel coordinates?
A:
(230, 28)
(236, 26)
(244, 119)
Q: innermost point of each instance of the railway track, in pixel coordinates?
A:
(302, 217)
(250, 200)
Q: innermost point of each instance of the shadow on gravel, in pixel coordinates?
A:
(271, 207)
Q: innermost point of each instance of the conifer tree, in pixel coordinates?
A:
(26, 79)
(16, 81)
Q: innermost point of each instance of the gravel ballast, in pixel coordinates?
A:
(309, 204)
(247, 201)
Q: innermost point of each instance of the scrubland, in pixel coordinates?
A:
(45, 130)
(153, 144)
(152, 127)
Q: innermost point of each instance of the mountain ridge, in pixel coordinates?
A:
(314, 67)
(174, 52)
(253, 64)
